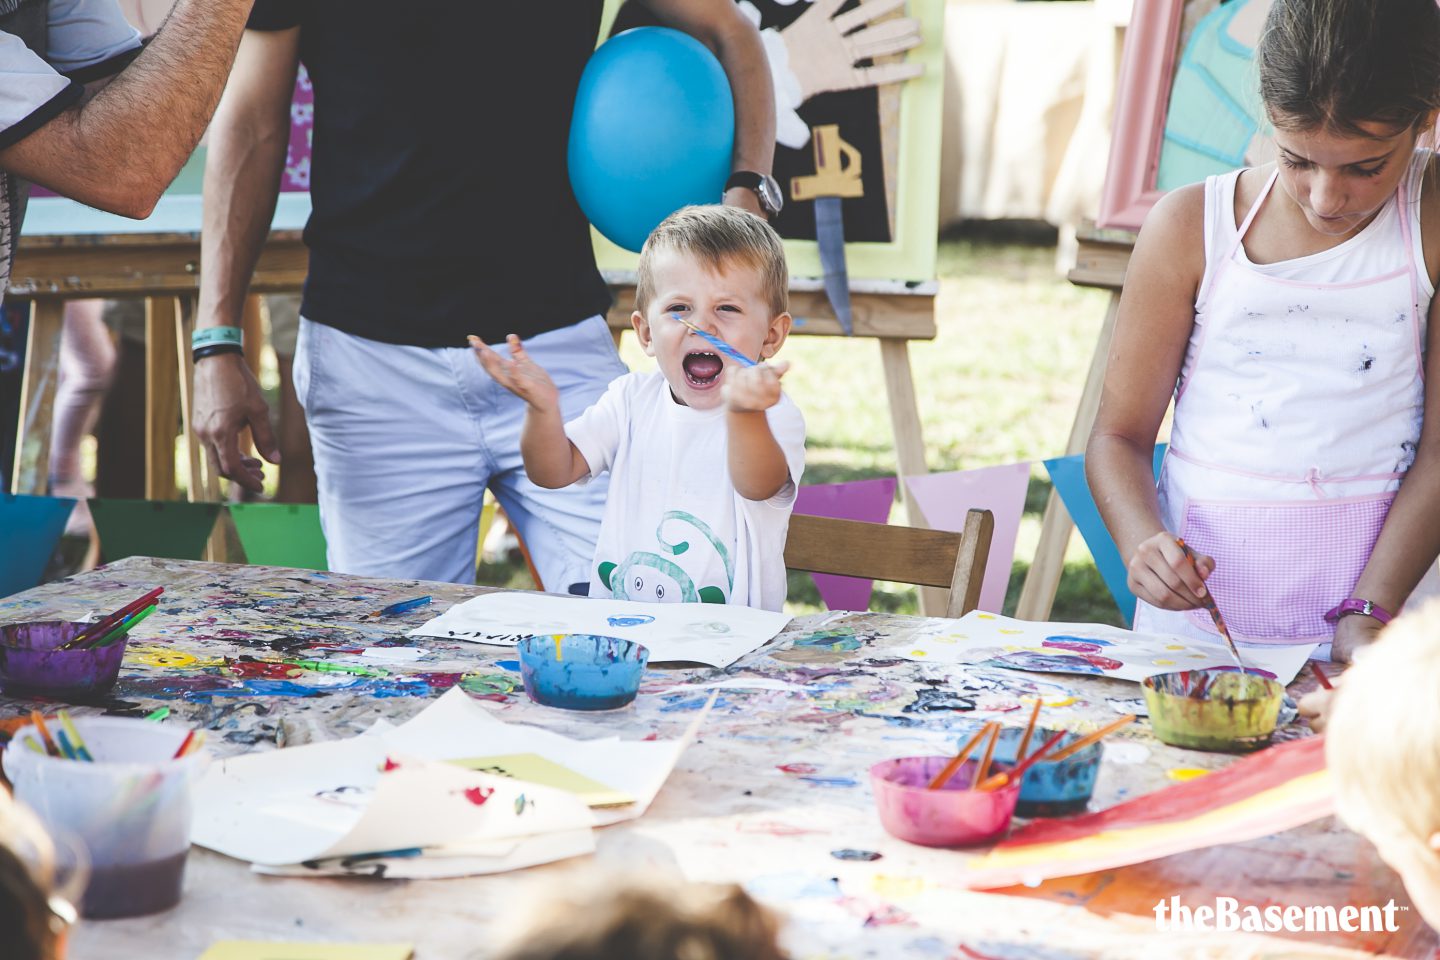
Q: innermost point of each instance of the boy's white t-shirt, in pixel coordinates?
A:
(674, 529)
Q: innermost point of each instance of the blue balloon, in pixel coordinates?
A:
(653, 130)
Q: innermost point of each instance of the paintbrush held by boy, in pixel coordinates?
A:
(1383, 750)
(705, 453)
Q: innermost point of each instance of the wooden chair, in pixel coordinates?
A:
(879, 551)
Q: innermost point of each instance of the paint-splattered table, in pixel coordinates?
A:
(774, 787)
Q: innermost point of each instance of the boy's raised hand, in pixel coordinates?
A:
(1162, 575)
(753, 389)
(519, 374)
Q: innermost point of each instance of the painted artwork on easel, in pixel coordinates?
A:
(1189, 102)
(858, 93)
(985, 639)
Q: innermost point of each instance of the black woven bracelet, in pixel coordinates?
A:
(212, 349)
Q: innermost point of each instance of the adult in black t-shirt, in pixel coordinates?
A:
(441, 207)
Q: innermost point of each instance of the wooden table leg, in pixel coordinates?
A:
(1037, 596)
(909, 445)
(31, 474)
(162, 397)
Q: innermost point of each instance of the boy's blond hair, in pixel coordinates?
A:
(718, 237)
(606, 917)
(1383, 736)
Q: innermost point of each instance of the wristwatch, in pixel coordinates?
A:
(765, 187)
(1366, 608)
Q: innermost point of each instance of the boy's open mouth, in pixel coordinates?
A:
(702, 369)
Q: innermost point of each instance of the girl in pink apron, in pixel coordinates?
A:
(1285, 308)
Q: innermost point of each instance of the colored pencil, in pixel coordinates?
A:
(121, 629)
(1016, 772)
(717, 343)
(184, 745)
(943, 777)
(1090, 738)
(80, 749)
(101, 627)
(158, 715)
(985, 760)
(34, 746)
(51, 750)
(1320, 675)
(1029, 731)
(1210, 607)
(66, 750)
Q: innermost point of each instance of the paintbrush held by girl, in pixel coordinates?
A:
(1286, 309)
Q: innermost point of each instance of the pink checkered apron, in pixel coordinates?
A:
(1297, 414)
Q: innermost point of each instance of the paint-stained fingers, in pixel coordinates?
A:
(865, 13)
(892, 36)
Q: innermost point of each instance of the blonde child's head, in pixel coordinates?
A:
(607, 917)
(1383, 750)
(724, 271)
(29, 928)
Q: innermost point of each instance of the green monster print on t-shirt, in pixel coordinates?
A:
(652, 577)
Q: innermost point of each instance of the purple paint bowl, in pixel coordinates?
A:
(953, 816)
(30, 666)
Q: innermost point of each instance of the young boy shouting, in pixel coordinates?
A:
(705, 453)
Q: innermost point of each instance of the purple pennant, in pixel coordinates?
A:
(867, 500)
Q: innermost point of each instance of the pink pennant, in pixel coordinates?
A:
(867, 500)
(943, 499)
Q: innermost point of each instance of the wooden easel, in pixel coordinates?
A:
(1101, 263)
(164, 269)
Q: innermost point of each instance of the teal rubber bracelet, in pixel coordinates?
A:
(209, 335)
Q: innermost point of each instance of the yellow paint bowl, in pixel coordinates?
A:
(1219, 709)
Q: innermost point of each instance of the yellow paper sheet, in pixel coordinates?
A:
(533, 768)
(261, 950)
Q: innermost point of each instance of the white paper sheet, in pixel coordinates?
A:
(334, 799)
(455, 727)
(711, 633)
(1085, 648)
(458, 860)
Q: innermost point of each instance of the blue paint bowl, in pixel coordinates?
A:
(1049, 788)
(581, 671)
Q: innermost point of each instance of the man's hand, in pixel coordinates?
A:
(753, 389)
(1162, 575)
(520, 375)
(227, 399)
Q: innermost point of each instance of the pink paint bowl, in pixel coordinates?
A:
(30, 666)
(953, 816)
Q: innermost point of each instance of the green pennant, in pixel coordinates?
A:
(29, 529)
(281, 534)
(153, 528)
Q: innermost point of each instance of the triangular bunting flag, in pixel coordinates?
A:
(153, 528)
(1068, 475)
(29, 529)
(867, 500)
(944, 498)
(280, 534)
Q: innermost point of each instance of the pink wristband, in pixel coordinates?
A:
(1367, 608)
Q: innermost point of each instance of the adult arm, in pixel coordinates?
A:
(1410, 539)
(1156, 314)
(243, 165)
(721, 26)
(121, 149)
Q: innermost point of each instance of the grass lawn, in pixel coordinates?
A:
(999, 384)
